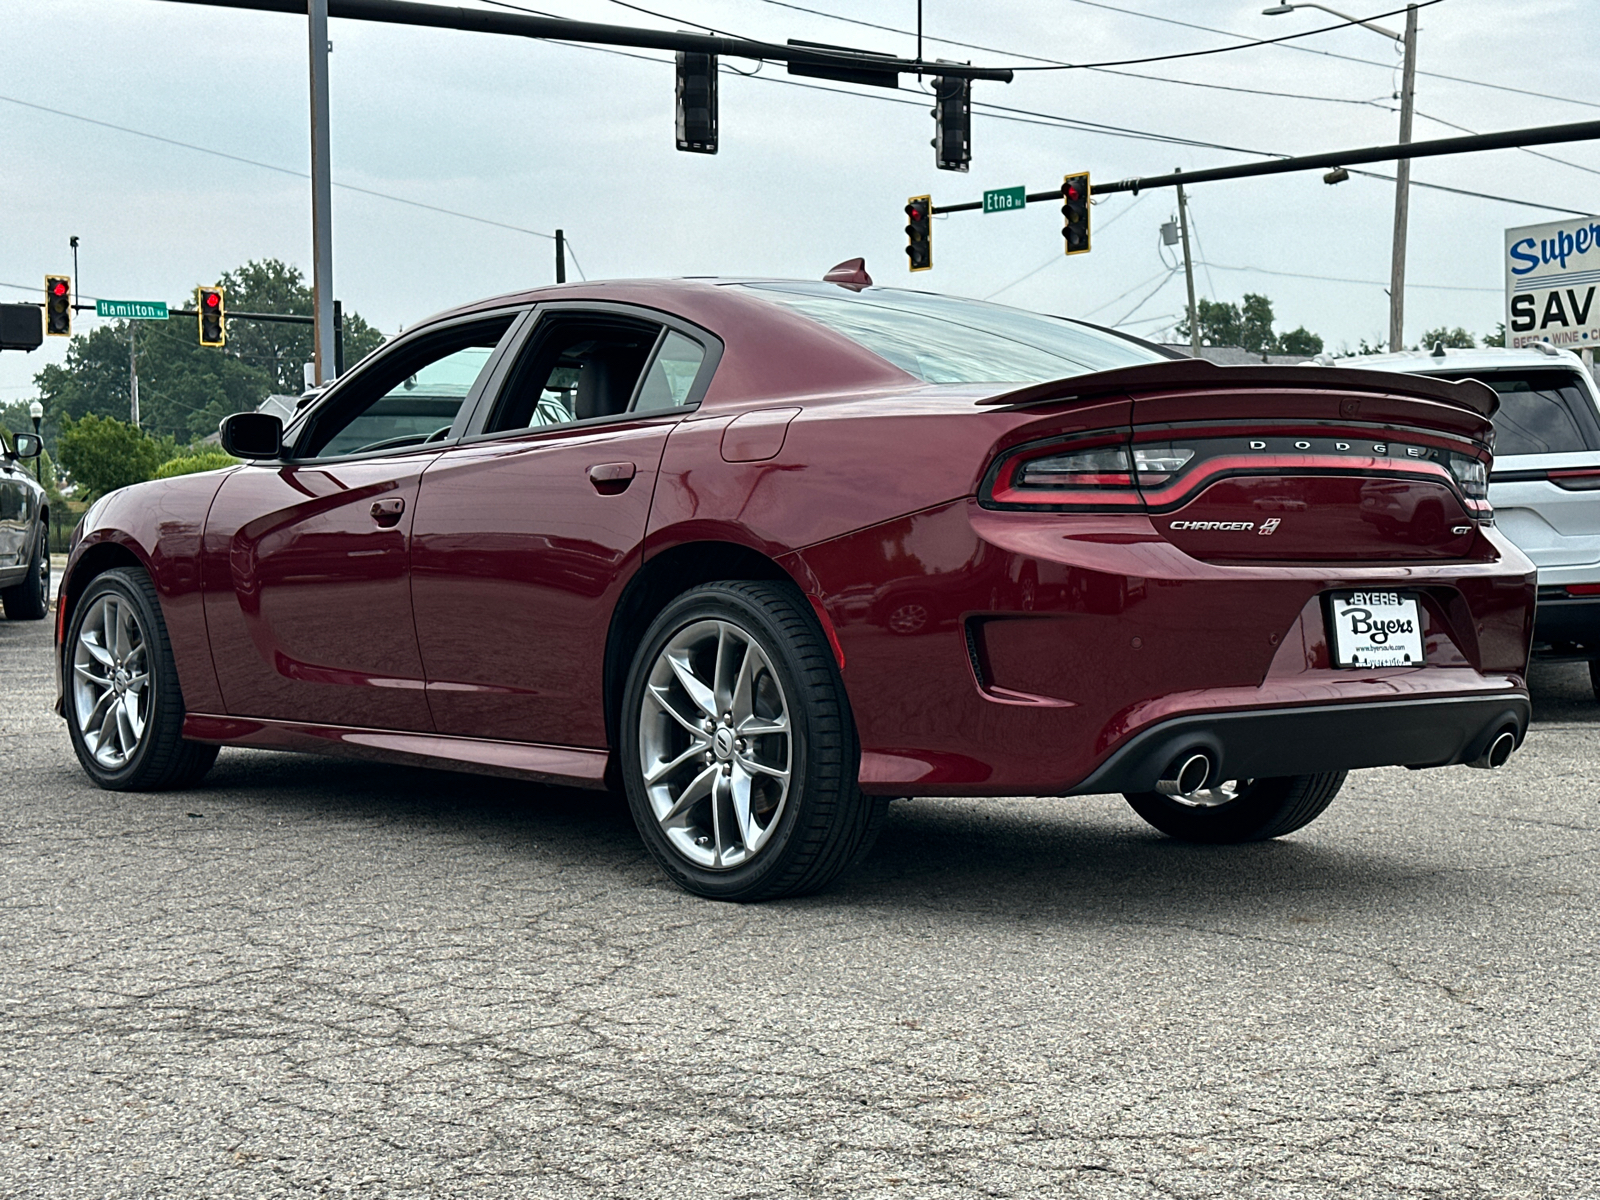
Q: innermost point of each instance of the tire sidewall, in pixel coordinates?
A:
(708, 603)
(116, 583)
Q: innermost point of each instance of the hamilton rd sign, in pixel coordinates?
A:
(132, 310)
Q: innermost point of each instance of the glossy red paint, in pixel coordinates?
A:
(985, 649)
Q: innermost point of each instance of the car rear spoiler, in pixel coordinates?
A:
(1200, 374)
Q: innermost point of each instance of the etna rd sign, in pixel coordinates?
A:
(1552, 276)
(1005, 199)
(132, 310)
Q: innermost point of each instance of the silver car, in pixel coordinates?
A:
(1546, 482)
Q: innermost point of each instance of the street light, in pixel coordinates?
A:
(1402, 175)
(36, 411)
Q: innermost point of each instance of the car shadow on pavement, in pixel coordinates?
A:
(1562, 692)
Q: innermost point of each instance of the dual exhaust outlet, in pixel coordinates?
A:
(1190, 772)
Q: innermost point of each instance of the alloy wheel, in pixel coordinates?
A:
(716, 744)
(111, 680)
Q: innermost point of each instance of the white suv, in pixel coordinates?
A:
(1545, 488)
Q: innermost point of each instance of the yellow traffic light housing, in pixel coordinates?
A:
(919, 232)
(213, 317)
(58, 305)
(1075, 212)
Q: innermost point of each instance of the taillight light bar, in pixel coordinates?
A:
(1105, 472)
(1577, 479)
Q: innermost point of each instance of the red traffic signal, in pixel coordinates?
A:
(919, 232)
(1075, 196)
(213, 329)
(58, 305)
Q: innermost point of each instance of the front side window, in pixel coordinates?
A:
(944, 339)
(408, 397)
(1541, 412)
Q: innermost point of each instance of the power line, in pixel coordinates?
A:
(1499, 87)
(1383, 283)
(1220, 87)
(1536, 153)
(349, 187)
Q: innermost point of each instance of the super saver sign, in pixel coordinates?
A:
(1552, 275)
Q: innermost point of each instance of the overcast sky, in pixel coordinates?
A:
(540, 135)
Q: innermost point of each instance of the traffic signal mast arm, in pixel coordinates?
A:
(516, 24)
(1542, 135)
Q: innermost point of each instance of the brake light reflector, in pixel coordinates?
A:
(1105, 467)
(1583, 589)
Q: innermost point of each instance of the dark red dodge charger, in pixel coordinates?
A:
(766, 554)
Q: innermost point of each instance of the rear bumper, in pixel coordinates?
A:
(1265, 743)
(1567, 628)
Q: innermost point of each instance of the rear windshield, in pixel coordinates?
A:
(942, 339)
(1541, 412)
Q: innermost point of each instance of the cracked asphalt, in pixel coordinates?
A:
(309, 977)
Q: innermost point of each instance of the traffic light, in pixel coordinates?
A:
(1075, 213)
(952, 115)
(58, 305)
(697, 102)
(919, 232)
(213, 315)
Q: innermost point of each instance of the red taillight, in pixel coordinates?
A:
(1577, 479)
(1583, 589)
(1091, 472)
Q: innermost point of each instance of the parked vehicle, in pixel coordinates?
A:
(24, 531)
(1546, 483)
(767, 554)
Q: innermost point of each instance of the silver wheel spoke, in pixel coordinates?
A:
(98, 652)
(761, 768)
(702, 696)
(662, 769)
(703, 785)
(659, 695)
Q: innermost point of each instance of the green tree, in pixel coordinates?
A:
(1498, 337)
(1453, 339)
(1250, 326)
(103, 454)
(282, 350)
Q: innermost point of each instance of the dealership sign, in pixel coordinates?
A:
(1552, 278)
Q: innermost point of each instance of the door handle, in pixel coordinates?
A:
(611, 478)
(387, 512)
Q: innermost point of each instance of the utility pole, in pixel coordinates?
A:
(561, 256)
(133, 376)
(1402, 187)
(1188, 269)
(321, 197)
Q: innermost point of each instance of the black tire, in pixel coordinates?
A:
(825, 825)
(1594, 676)
(1264, 808)
(161, 760)
(30, 599)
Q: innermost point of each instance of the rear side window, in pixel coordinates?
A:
(671, 377)
(578, 366)
(1541, 412)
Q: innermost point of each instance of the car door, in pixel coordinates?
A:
(13, 509)
(527, 531)
(307, 561)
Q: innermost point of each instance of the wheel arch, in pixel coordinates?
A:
(94, 560)
(662, 578)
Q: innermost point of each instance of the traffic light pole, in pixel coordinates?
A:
(133, 377)
(1506, 139)
(323, 352)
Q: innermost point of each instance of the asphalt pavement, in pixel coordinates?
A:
(309, 977)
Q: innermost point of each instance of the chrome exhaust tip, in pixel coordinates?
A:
(1498, 752)
(1187, 774)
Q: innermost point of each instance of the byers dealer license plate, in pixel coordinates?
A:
(1375, 629)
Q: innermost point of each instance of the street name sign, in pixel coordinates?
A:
(1552, 277)
(1004, 199)
(132, 310)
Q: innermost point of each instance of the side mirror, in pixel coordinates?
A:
(27, 445)
(252, 435)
